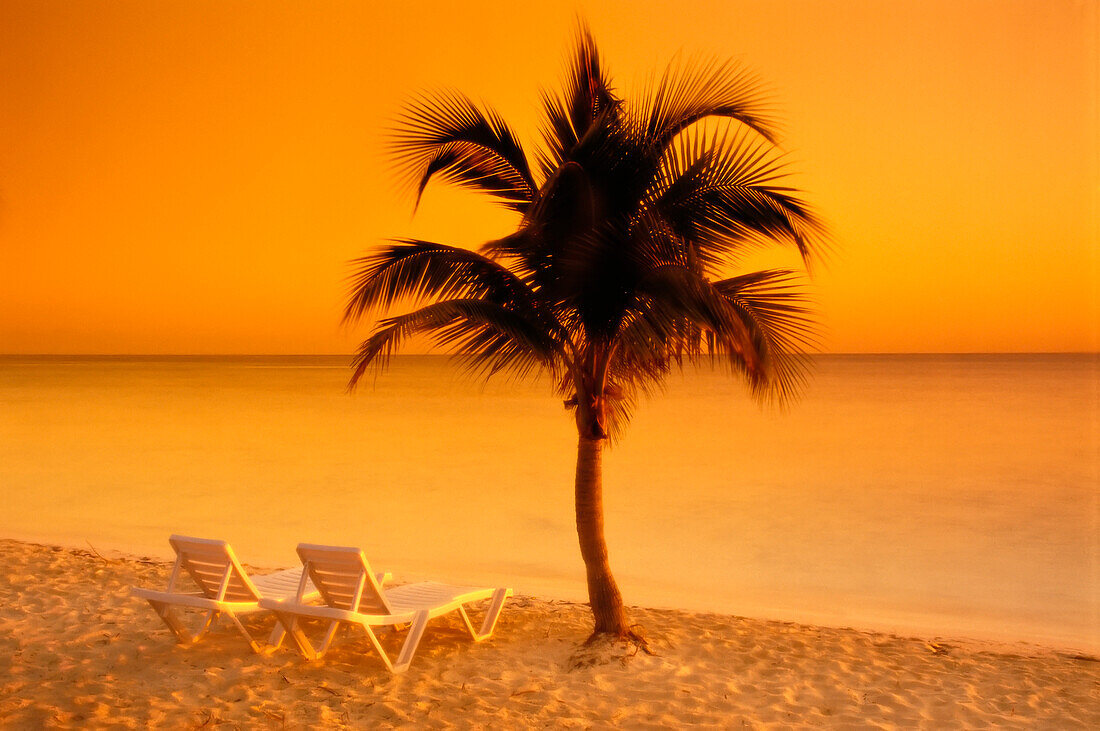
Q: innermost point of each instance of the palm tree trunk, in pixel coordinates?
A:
(603, 593)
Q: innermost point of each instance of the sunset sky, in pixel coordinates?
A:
(193, 177)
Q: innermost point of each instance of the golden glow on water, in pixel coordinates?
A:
(193, 177)
(935, 494)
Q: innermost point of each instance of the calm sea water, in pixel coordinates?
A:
(953, 495)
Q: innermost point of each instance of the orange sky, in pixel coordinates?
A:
(193, 177)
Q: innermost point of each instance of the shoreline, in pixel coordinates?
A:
(919, 626)
(83, 652)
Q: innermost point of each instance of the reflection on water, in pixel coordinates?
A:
(944, 494)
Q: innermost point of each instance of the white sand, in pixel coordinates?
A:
(77, 651)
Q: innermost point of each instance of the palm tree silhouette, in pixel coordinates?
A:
(612, 278)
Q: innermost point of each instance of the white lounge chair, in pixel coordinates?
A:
(352, 595)
(224, 588)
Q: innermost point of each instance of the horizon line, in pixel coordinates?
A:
(449, 355)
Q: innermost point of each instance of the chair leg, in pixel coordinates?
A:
(206, 625)
(412, 641)
(492, 614)
(296, 635)
(248, 637)
(168, 613)
(378, 647)
(275, 639)
(330, 635)
(170, 618)
(491, 617)
(408, 649)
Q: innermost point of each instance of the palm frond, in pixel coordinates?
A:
(484, 335)
(625, 393)
(587, 96)
(675, 307)
(774, 307)
(589, 91)
(725, 194)
(689, 92)
(450, 136)
(517, 248)
(409, 269)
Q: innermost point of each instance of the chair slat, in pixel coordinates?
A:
(333, 568)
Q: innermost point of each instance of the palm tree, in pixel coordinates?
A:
(613, 276)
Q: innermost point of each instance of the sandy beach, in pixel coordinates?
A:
(77, 651)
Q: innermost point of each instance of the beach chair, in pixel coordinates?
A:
(351, 595)
(225, 588)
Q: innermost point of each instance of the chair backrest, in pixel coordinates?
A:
(214, 567)
(344, 578)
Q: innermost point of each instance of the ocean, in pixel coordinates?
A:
(939, 495)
